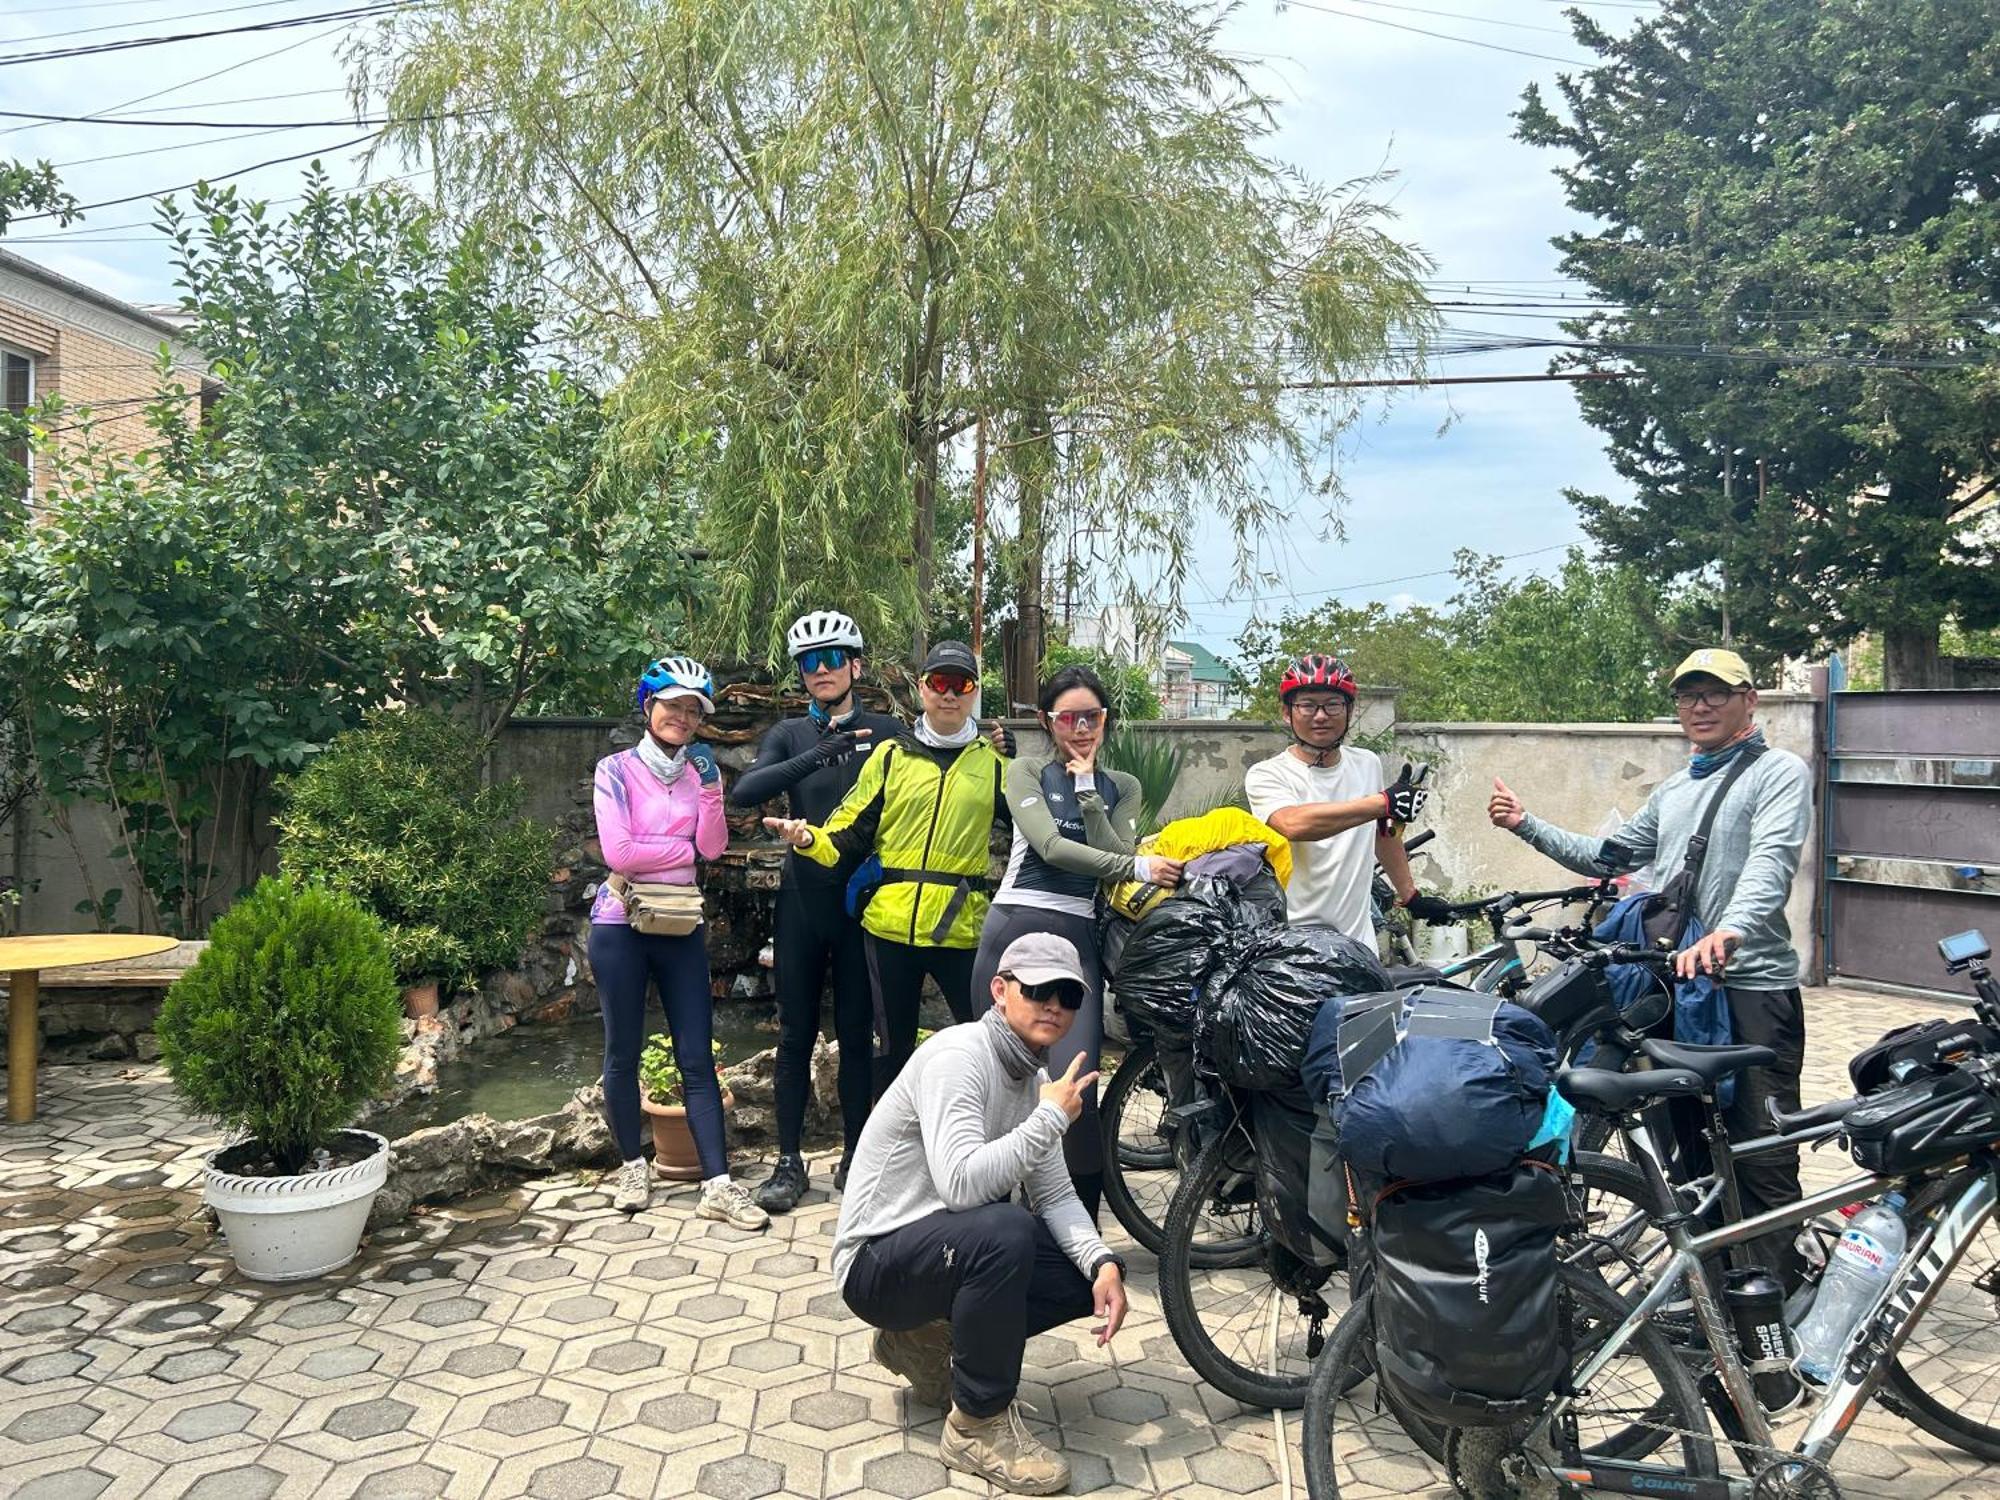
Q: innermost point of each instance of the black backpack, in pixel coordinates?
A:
(1468, 1323)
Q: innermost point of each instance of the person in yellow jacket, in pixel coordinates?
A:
(924, 808)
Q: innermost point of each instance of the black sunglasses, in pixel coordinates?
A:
(1065, 992)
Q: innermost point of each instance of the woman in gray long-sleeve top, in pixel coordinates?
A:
(1746, 878)
(1074, 827)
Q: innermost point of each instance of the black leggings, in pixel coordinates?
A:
(814, 935)
(1083, 1145)
(896, 975)
(624, 961)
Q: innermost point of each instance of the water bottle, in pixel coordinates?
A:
(1860, 1266)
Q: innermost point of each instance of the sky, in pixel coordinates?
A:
(1424, 88)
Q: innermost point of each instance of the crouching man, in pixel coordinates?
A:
(932, 1249)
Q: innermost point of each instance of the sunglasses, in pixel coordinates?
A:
(1065, 992)
(1079, 720)
(951, 684)
(824, 659)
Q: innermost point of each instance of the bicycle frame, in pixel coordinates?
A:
(1865, 1360)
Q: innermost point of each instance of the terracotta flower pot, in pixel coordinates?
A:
(674, 1156)
(420, 1000)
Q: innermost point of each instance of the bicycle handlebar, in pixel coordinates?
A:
(1506, 901)
(1807, 1119)
(1411, 845)
(1627, 953)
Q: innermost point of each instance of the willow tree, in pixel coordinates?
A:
(837, 236)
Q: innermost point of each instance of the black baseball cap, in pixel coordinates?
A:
(952, 656)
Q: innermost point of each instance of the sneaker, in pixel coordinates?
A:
(781, 1191)
(634, 1189)
(921, 1356)
(727, 1203)
(840, 1172)
(1000, 1449)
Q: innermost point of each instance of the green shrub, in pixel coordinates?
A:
(289, 1022)
(660, 1074)
(1153, 759)
(394, 814)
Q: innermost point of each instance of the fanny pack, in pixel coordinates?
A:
(656, 908)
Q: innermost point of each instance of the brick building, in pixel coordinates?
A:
(60, 337)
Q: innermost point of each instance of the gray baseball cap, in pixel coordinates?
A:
(1042, 958)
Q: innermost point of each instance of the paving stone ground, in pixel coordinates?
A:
(535, 1343)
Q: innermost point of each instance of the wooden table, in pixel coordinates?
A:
(25, 958)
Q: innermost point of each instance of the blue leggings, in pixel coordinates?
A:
(623, 961)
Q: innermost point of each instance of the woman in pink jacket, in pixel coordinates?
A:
(659, 807)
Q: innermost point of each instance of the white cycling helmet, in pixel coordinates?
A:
(677, 677)
(823, 627)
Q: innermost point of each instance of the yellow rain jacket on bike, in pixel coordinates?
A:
(928, 816)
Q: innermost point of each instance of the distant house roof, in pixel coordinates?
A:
(145, 318)
(1207, 666)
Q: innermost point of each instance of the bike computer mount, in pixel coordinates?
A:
(1963, 949)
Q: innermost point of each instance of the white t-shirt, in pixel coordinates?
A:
(1331, 878)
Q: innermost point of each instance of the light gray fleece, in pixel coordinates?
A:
(959, 1129)
(1753, 854)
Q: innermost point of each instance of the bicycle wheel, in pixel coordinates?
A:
(1139, 1175)
(1946, 1379)
(1358, 1440)
(1247, 1315)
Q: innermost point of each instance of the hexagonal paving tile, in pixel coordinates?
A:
(180, 1273)
(1226, 1469)
(904, 1474)
(421, 1272)
(40, 1278)
(827, 1410)
(370, 1419)
(711, 1307)
(447, 1311)
(624, 1358)
(765, 1355)
(48, 1319)
(574, 1479)
(339, 1363)
(318, 1312)
(1133, 1405)
(524, 1415)
(217, 1419)
(37, 1368)
(481, 1360)
(51, 1422)
(540, 1268)
(662, 1268)
(743, 1478)
(193, 1364)
(411, 1482)
(682, 1413)
(251, 1482)
(178, 1316)
(790, 1263)
(621, 1233)
(829, 1305)
(66, 1484)
(582, 1309)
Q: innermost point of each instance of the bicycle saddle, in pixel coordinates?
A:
(1714, 1063)
(1617, 1093)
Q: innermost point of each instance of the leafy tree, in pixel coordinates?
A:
(36, 187)
(839, 234)
(1131, 690)
(1795, 211)
(1592, 643)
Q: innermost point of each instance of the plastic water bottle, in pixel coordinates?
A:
(1860, 1266)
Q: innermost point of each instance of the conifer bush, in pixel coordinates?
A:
(289, 1022)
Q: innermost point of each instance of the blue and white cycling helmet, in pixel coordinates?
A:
(677, 677)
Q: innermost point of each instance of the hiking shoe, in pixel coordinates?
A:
(781, 1191)
(840, 1172)
(1000, 1449)
(727, 1203)
(633, 1191)
(921, 1356)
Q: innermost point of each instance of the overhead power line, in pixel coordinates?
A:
(1443, 36)
(276, 161)
(159, 124)
(196, 15)
(59, 54)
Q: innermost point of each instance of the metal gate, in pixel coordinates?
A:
(1912, 831)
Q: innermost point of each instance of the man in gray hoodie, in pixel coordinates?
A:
(932, 1248)
(1746, 877)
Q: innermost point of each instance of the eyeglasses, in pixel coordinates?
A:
(950, 684)
(1716, 697)
(1079, 720)
(824, 659)
(1064, 992)
(1319, 708)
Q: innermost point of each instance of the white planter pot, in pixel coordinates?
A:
(295, 1228)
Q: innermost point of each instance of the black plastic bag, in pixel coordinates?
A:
(1260, 1011)
(1173, 949)
(1301, 1188)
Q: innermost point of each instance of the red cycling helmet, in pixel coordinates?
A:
(1316, 671)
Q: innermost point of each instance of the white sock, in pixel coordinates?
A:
(636, 1161)
(709, 1182)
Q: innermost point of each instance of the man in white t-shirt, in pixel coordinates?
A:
(1334, 805)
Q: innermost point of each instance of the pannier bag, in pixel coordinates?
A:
(658, 909)
(1438, 1083)
(1911, 1051)
(1570, 993)
(1468, 1318)
(1924, 1123)
(1301, 1190)
(1172, 950)
(1259, 1007)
